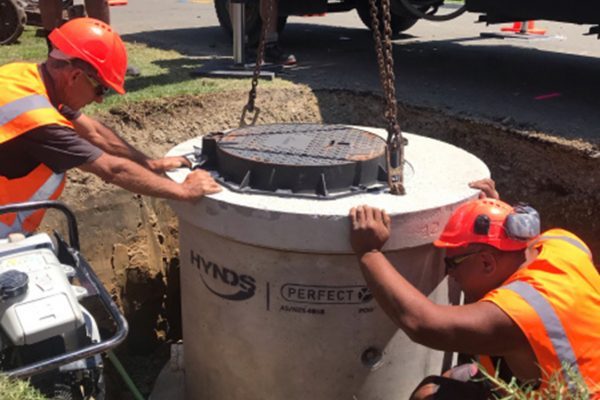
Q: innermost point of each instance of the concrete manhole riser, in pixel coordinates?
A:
(273, 298)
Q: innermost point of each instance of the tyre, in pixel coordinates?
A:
(64, 392)
(91, 387)
(253, 21)
(400, 23)
(12, 21)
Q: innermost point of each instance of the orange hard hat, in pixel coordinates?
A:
(491, 222)
(94, 42)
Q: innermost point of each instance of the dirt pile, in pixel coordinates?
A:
(132, 241)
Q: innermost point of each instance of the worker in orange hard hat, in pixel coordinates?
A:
(43, 133)
(51, 13)
(532, 300)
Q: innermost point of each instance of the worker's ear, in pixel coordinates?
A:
(489, 262)
(73, 75)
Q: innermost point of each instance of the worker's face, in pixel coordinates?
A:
(99, 89)
(472, 267)
(83, 89)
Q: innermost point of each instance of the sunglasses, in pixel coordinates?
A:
(454, 262)
(99, 89)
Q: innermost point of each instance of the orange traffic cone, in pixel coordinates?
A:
(113, 3)
(524, 28)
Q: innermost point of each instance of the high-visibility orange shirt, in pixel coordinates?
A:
(555, 300)
(25, 105)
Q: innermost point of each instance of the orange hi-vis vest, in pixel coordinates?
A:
(555, 300)
(25, 105)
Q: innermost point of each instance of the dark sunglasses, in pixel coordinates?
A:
(99, 89)
(454, 262)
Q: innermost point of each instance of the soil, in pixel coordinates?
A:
(132, 241)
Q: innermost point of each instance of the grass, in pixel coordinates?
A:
(557, 387)
(17, 390)
(165, 73)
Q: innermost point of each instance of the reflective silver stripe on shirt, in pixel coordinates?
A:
(12, 110)
(43, 193)
(552, 324)
(567, 239)
(5, 230)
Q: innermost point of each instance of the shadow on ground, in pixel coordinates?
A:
(525, 88)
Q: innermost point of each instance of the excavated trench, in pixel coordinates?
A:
(132, 241)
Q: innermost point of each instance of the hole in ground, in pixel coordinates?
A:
(132, 241)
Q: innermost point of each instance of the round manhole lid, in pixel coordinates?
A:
(314, 160)
(302, 145)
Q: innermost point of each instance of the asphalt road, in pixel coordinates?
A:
(550, 85)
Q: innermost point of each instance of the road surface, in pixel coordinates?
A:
(550, 85)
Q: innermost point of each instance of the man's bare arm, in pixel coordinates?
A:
(135, 178)
(480, 328)
(110, 142)
(106, 139)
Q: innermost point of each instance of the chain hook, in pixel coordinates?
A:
(385, 62)
(260, 56)
(395, 156)
(245, 111)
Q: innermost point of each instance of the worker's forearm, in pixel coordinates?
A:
(117, 146)
(400, 300)
(135, 178)
(103, 137)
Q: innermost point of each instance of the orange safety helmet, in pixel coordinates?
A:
(94, 42)
(491, 222)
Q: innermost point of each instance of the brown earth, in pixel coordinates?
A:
(132, 241)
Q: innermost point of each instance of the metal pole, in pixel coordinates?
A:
(238, 22)
(523, 30)
(239, 69)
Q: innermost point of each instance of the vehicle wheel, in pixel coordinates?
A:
(12, 21)
(253, 21)
(400, 23)
(91, 388)
(64, 392)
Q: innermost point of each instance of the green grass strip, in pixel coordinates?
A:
(164, 73)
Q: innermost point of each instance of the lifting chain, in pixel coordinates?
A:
(385, 61)
(260, 55)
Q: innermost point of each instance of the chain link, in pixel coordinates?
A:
(385, 62)
(260, 55)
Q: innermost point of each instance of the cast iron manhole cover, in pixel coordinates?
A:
(300, 160)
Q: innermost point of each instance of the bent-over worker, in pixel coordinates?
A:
(532, 300)
(43, 134)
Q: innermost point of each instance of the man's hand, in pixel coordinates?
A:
(199, 183)
(162, 165)
(370, 229)
(487, 187)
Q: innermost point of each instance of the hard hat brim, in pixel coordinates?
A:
(444, 245)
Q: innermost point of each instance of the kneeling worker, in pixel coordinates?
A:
(43, 133)
(532, 300)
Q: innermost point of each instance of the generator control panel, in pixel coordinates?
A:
(37, 301)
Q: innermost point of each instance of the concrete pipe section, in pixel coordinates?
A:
(274, 304)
